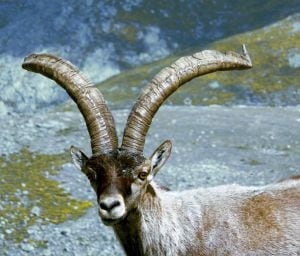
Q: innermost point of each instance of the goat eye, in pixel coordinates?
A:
(91, 174)
(142, 175)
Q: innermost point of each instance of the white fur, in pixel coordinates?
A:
(171, 228)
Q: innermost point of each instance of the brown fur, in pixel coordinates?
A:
(129, 235)
(259, 214)
(109, 173)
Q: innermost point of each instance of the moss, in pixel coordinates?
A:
(120, 90)
(254, 162)
(147, 15)
(271, 73)
(269, 50)
(24, 185)
(243, 147)
(200, 22)
(128, 33)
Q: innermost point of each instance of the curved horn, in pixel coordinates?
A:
(168, 81)
(90, 101)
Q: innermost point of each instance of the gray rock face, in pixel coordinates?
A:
(211, 146)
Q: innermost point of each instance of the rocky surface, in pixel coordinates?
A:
(211, 146)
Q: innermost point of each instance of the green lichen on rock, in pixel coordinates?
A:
(202, 21)
(270, 49)
(28, 196)
(273, 78)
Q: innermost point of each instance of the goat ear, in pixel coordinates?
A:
(78, 157)
(160, 156)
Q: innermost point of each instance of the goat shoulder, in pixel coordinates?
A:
(232, 220)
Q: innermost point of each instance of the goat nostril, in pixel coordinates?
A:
(115, 204)
(109, 207)
(103, 206)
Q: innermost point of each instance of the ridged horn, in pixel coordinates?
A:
(167, 81)
(90, 101)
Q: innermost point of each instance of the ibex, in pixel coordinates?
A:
(150, 220)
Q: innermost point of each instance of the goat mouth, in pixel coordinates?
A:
(107, 221)
(110, 222)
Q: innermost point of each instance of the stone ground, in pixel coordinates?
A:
(211, 146)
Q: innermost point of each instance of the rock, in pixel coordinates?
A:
(36, 211)
(3, 109)
(47, 252)
(8, 231)
(65, 232)
(25, 192)
(294, 60)
(26, 247)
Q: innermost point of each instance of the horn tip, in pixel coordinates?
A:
(246, 56)
(27, 62)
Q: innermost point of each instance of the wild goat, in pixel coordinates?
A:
(148, 220)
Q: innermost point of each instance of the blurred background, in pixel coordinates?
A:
(244, 125)
(107, 38)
